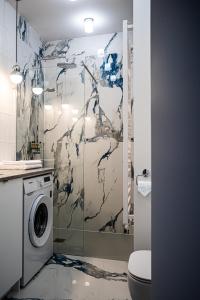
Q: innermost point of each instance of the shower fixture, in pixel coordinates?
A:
(16, 76)
(65, 65)
(50, 90)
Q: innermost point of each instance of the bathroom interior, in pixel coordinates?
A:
(75, 149)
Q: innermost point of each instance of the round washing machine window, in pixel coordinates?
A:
(40, 221)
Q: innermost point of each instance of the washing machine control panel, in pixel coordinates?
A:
(37, 183)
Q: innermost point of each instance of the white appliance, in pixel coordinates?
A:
(38, 225)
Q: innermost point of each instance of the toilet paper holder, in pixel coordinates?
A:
(145, 173)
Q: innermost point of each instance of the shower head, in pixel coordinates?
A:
(52, 90)
(66, 65)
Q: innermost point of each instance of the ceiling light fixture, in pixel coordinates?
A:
(16, 76)
(89, 25)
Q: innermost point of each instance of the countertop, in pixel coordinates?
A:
(6, 175)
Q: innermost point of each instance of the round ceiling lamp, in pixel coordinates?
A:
(16, 76)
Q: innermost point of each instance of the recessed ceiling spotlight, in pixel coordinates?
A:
(48, 107)
(88, 119)
(65, 106)
(72, 0)
(75, 111)
(86, 283)
(89, 25)
(74, 120)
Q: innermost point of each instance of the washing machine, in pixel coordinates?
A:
(38, 225)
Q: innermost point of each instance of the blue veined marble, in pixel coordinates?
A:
(73, 137)
(77, 278)
(87, 268)
(114, 69)
(108, 153)
(23, 29)
(67, 189)
(111, 224)
(54, 126)
(27, 101)
(38, 72)
(59, 50)
(103, 128)
(78, 203)
(105, 197)
(110, 42)
(77, 149)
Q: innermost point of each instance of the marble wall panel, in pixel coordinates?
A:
(84, 133)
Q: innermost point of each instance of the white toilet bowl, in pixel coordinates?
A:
(139, 275)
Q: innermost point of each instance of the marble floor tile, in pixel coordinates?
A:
(68, 277)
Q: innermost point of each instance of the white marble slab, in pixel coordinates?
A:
(61, 282)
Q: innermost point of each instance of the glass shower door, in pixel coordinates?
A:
(63, 150)
(83, 142)
(104, 234)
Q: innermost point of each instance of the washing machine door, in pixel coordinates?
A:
(41, 221)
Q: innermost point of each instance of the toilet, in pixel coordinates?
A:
(139, 275)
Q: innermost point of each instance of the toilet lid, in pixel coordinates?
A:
(139, 264)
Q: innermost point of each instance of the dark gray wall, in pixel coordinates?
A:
(175, 149)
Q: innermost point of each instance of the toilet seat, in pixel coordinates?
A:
(146, 281)
(139, 266)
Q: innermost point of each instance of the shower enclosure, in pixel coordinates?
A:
(77, 127)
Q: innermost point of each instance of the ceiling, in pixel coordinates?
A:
(59, 19)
